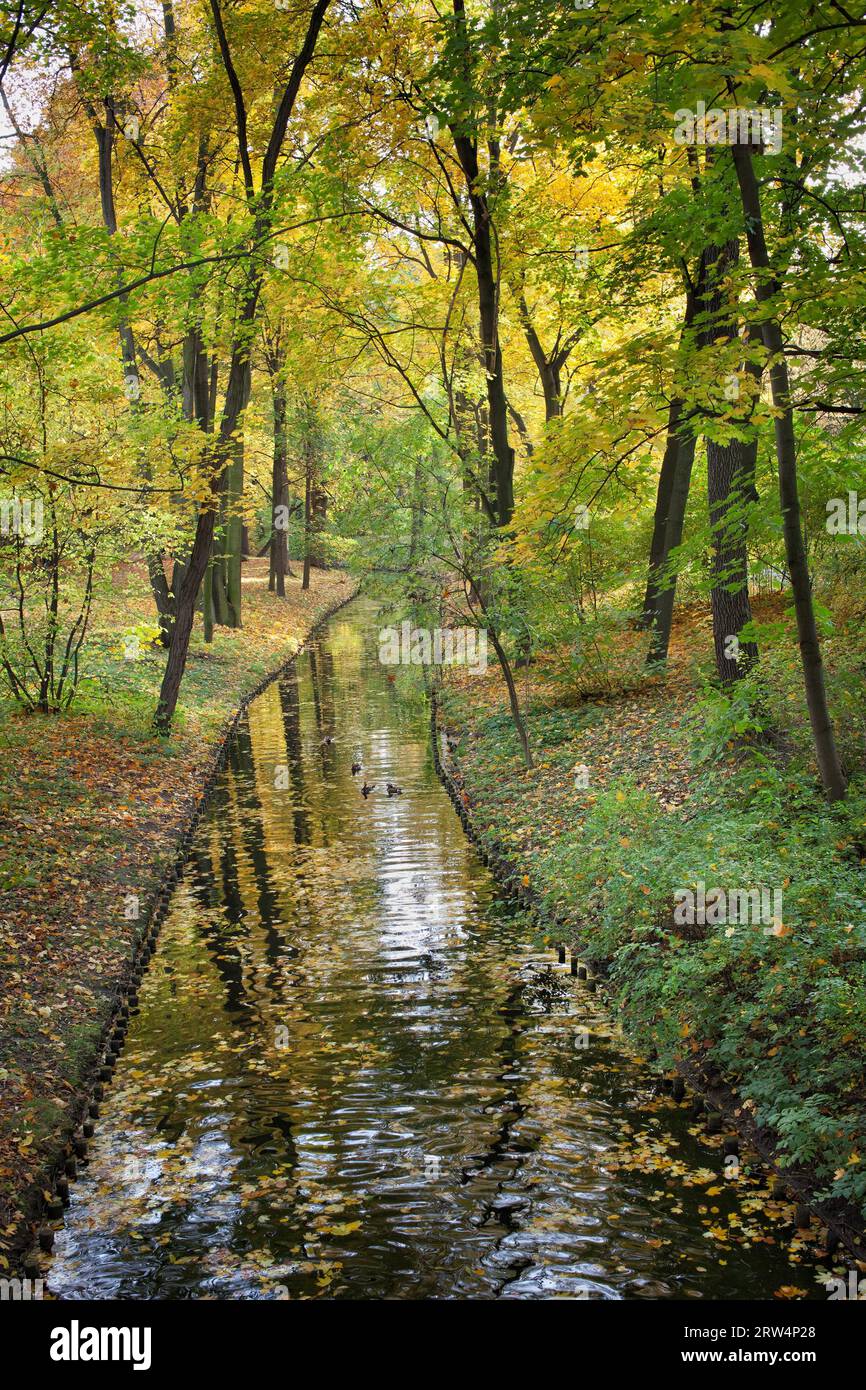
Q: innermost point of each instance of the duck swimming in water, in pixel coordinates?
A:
(356, 768)
(394, 791)
(365, 790)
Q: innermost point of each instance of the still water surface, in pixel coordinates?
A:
(352, 1075)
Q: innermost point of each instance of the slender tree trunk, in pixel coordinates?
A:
(315, 499)
(308, 514)
(186, 600)
(664, 615)
(683, 451)
(466, 146)
(418, 504)
(664, 494)
(658, 555)
(162, 597)
(213, 390)
(207, 617)
(502, 462)
(730, 467)
(548, 368)
(195, 408)
(228, 541)
(200, 554)
(279, 543)
(474, 595)
(237, 388)
(46, 689)
(104, 131)
(766, 287)
(319, 504)
(513, 701)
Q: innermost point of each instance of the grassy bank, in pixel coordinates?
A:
(675, 797)
(93, 809)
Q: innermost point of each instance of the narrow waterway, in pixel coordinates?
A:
(352, 1075)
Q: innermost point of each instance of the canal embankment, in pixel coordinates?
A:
(625, 817)
(101, 814)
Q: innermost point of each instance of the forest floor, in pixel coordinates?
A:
(93, 809)
(639, 794)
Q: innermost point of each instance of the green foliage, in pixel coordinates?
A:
(725, 716)
(781, 1014)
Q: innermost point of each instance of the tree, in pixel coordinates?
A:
(261, 204)
(766, 290)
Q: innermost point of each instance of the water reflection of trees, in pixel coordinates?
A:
(297, 942)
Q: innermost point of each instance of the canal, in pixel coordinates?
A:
(352, 1074)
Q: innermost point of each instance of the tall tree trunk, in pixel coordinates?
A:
(227, 545)
(195, 408)
(502, 461)
(766, 287)
(207, 616)
(200, 555)
(186, 600)
(474, 596)
(466, 146)
(730, 470)
(728, 466)
(104, 131)
(308, 515)
(279, 543)
(319, 504)
(162, 595)
(658, 553)
(664, 494)
(664, 613)
(418, 507)
(237, 389)
(315, 498)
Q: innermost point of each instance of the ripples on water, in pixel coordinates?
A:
(350, 1076)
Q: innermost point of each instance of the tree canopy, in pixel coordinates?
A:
(468, 290)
